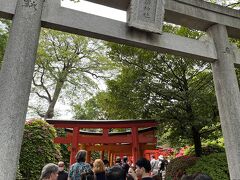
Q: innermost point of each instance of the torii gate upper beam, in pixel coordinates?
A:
(56, 17)
(196, 14)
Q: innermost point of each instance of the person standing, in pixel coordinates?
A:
(143, 169)
(79, 167)
(62, 175)
(99, 169)
(162, 166)
(118, 161)
(154, 165)
(49, 172)
(115, 173)
(125, 165)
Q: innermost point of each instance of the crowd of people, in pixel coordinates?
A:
(121, 170)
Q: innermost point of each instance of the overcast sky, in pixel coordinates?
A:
(96, 9)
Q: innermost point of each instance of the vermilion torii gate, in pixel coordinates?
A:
(28, 16)
(131, 144)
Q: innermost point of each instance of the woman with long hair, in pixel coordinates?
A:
(99, 169)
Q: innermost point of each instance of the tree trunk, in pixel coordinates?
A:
(195, 133)
(50, 112)
(197, 141)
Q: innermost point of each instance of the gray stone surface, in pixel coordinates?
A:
(68, 20)
(64, 19)
(228, 97)
(16, 74)
(7, 8)
(146, 15)
(15, 82)
(236, 53)
(196, 14)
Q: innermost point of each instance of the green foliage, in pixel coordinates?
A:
(89, 110)
(177, 166)
(37, 149)
(63, 147)
(3, 38)
(67, 67)
(177, 91)
(209, 147)
(215, 165)
(18, 174)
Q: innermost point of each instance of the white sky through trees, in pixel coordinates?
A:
(96, 9)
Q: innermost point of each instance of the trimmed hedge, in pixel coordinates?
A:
(214, 165)
(18, 174)
(207, 148)
(37, 149)
(177, 166)
(64, 147)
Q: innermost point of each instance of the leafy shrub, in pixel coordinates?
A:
(18, 174)
(177, 166)
(38, 148)
(63, 147)
(207, 148)
(214, 165)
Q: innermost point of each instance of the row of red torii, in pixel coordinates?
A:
(132, 143)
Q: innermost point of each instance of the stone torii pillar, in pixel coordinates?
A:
(228, 97)
(15, 82)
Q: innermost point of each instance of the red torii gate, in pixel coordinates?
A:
(130, 143)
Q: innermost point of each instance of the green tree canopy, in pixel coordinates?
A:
(66, 67)
(177, 91)
(4, 27)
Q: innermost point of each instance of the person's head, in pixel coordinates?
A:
(49, 172)
(106, 162)
(143, 167)
(160, 157)
(115, 172)
(60, 165)
(185, 177)
(98, 166)
(125, 158)
(118, 159)
(152, 157)
(201, 176)
(81, 156)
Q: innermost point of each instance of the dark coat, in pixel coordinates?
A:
(100, 176)
(62, 175)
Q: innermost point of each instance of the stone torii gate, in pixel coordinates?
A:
(29, 15)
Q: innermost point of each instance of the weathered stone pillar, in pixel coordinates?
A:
(228, 97)
(15, 82)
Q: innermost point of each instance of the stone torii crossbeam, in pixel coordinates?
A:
(29, 15)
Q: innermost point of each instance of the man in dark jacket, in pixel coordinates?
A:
(115, 173)
(143, 168)
(62, 175)
(125, 166)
